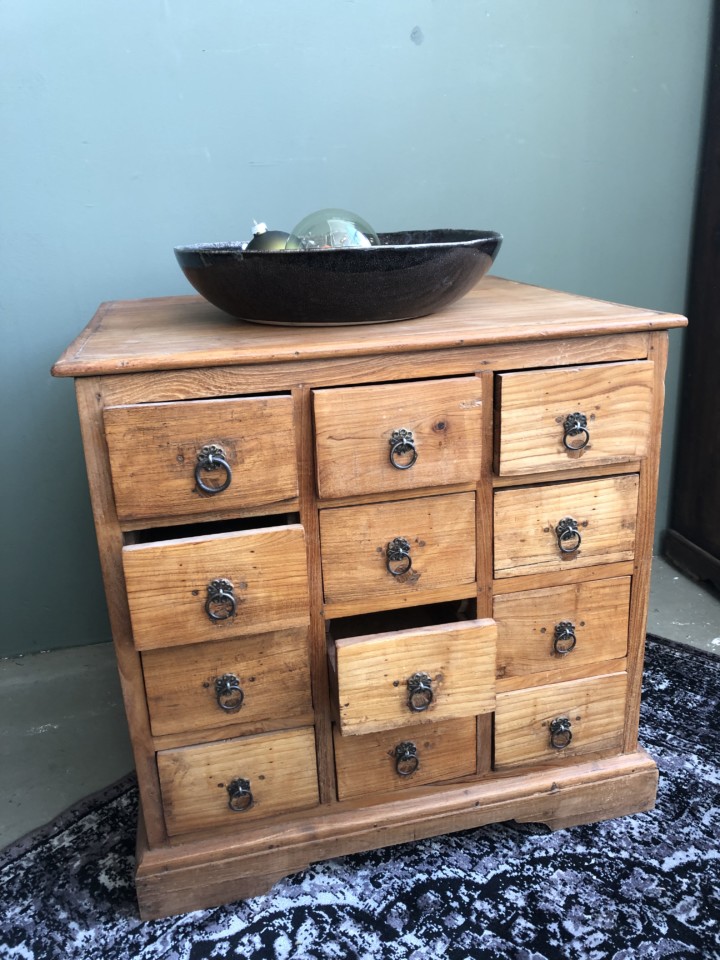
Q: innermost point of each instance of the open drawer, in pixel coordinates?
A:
(431, 673)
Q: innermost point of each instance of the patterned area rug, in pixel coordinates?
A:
(640, 887)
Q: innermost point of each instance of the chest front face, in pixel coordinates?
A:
(402, 580)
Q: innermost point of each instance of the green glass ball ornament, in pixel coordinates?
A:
(264, 239)
(332, 229)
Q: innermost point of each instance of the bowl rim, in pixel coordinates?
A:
(236, 246)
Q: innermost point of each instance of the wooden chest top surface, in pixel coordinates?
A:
(170, 333)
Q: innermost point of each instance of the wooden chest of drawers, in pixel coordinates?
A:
(371, 584)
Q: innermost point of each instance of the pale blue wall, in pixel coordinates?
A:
(569, 125)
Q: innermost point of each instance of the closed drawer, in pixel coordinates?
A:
(160, 456)
(243, 680)
(210, 588)
(562, 628)
(413, 676)
(432, 539)
(556, 722)
(558, 526)
(400, 759)
(360, 448)
(573, 417)
(233, 782)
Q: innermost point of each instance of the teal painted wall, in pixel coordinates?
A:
(571, 126)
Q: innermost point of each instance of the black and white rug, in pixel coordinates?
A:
(640, 887)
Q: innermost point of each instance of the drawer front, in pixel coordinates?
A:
(160, 456)
(230, 783)
(556, 722)
(539, 427)
(561, 628)
(358, 542)
(532, 537)
(210, 588)
(243, 680)
(414, 676)
(400, 759)
(360, 448)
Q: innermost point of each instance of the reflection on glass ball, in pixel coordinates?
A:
(332, 229)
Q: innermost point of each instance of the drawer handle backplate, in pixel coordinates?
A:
(212, 457)
(221, 603)
(407, 760)
(240, 795)
(402, 444)
(568, 535)
(575, 435)
(228, 693)
(420, 692)
(398, 551)
(560, 733)
(564, 640)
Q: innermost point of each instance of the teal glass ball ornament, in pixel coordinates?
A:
(332, 229)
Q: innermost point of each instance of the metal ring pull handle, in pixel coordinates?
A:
(420, 692)
(212, 457)
(564, 640)
(402, 444)
(575, 435)
(407, 760)
(398, 551)
(228, 693)
(240, 795)
(560, 733)
(221, 603)
(568, 535)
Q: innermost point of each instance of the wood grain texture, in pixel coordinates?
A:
(580, 671)
(595, 708)
(354, 541)
(217, 869)
(484, 505)
(526, 519)
(354, 427)
(109, 537)
(373, 674)
(647, 500)
(539, 581)
(318, 668)
(154, 450)
(271, 670)
(181, 352)
(616, 400)
(367, 765)
(526, 623)
(558, 476)
(167, 585)
(337, 370)
(176, 332)
(280, 768)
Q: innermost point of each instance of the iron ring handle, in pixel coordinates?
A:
(568, 535)
(564, 639)
(420, 694)
(220, 595)
(575, 429)
(560, 733)
(228, 693)
(402, 443)
(240, 796)
(407, 760)
(212, 457)
(398, 551)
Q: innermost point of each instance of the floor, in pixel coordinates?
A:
(63, 732)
